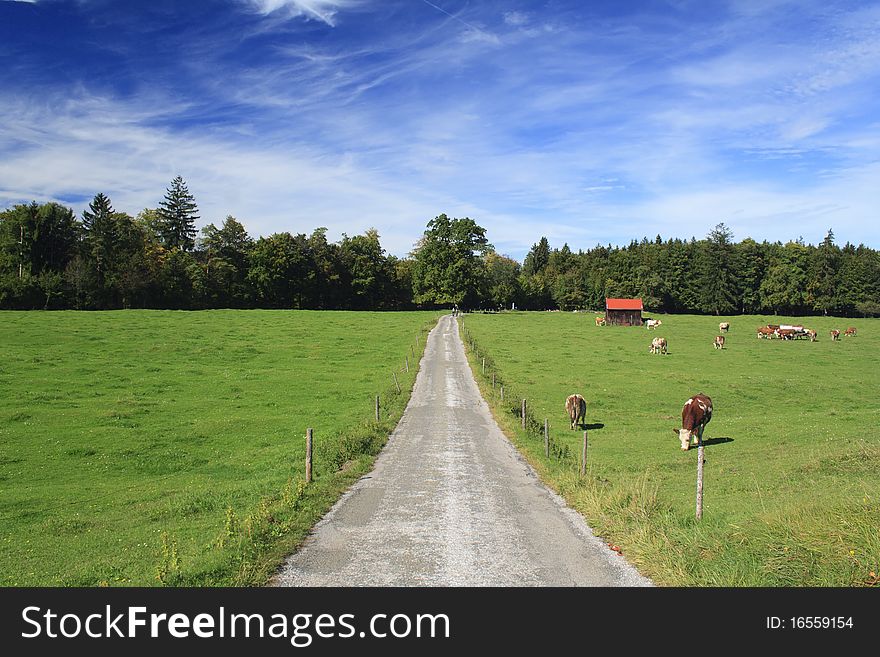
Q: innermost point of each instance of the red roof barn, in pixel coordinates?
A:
(623, 312)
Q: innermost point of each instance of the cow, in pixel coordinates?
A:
(786, 333)
(576, 406)
(766, 332)
(653, 323)
(600, 321)
(835, 334)
(719, 342)
(724, 327)
(659, 346)
(851, 331)
(695, 416)
(811, 333)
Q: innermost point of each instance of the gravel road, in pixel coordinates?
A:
(451, 502)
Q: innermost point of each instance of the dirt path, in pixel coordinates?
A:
(452, 503)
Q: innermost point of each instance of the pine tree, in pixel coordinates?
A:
(100, 235)
(179, 214)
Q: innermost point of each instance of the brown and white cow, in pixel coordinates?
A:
(724, 327)
(576, 407)
(653, 323)
(835, 334)
(811, 333)
(719, 342)
(766, 332)
(695, 416)
(600, 321)
(659, 346)
(851, 331)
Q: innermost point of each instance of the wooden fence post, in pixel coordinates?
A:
(308, 455)
(395, 381)
(406, 359)
(700, 482)
(584, 457)
(546, 440)
(484, 367)
(493, 380)
(377, 408)
(523, 414)
(502, 393)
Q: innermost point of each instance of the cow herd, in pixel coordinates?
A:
(798, 332)
(697, 410)
(661, 346)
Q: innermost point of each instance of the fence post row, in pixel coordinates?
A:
(308, 455)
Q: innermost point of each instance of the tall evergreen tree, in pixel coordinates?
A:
(100, 236)
(822, 284)
(179, 214)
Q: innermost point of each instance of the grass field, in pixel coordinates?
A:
(792, 472)
(160, 447)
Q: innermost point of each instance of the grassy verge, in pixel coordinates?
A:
(792, 452)
(157, 447)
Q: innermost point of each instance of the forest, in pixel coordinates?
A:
(52, 259)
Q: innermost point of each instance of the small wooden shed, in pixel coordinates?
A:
(623, 312)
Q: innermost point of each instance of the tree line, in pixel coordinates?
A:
(52, 259)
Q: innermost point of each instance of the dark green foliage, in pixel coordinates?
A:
(448, 268)
(179, 214)
(108, 260)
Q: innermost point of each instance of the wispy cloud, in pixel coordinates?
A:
(580, 124)
(322, 10)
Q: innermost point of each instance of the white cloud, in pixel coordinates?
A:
(322, 10)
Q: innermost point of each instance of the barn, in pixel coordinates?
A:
(623, 312)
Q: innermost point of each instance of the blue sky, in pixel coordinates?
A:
(587, 122)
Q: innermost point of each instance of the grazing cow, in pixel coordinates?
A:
(811, 333)
(695, 416)
(659, 346)
(786, 333)
(719, 342)
(835, 334)
(851, 331)
(576, 406)
(653, 323)
(724, 327)
(766, 332)
(600, 321)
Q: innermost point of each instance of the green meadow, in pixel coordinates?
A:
(792, 455)
(167, 448)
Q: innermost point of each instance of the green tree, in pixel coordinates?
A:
(37, 241)
(718, 292)
(822, 285)
(503, 280)
(225, 254)
(369, 271)
(179, 214)
(279, 267)
(448, 268)
(537, 258)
